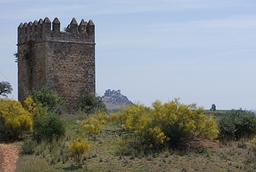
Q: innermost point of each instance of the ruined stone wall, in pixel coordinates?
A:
(61, 61)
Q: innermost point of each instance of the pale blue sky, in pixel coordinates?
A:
(201, 51)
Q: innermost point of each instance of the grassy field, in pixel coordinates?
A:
(107, 154)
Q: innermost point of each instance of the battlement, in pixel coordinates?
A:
(45, 30)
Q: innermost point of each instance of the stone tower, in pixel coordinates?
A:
(62, 61)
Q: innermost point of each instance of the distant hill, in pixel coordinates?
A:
(115, 100)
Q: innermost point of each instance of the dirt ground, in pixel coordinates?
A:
(9, 155)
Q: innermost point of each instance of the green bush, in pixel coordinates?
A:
(48, 99)
(237, 124)
(89, 103)
(28, 147)
(47, 127)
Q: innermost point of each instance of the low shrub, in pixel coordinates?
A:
(252, 144)
(28, 147)
(237, 124)
(47, 127)
(34, 108)
(89, 103)
(77, 148)
(48, 99)
(253, 141)
(94, 124)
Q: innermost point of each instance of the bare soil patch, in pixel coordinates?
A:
(9, 155)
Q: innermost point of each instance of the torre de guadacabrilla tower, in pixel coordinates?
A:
(62, 61)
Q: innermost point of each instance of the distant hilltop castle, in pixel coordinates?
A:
(62, 61)
(114, 99)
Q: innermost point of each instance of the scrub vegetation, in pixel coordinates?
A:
(168, 136)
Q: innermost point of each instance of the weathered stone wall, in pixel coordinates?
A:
(61, 61)
(31, 68)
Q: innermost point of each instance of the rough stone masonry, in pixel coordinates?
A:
(62, 61)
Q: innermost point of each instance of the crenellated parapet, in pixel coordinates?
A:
(45, 30)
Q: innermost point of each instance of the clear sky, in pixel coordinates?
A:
(201, 51)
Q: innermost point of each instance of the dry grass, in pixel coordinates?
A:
(33, 163)
(106, 155)
(222, 159)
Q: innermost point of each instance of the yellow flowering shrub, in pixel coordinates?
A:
(117, 118)
(182, 123)
(140, 121)
(133, 114)
(173, 123)
(29, 104)
(252, 144)
(102, 117)
(34, 108)
(253, 141)
(90, 126)
(94, 124)
(157, 135)
(14, 119)
(77, 148)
